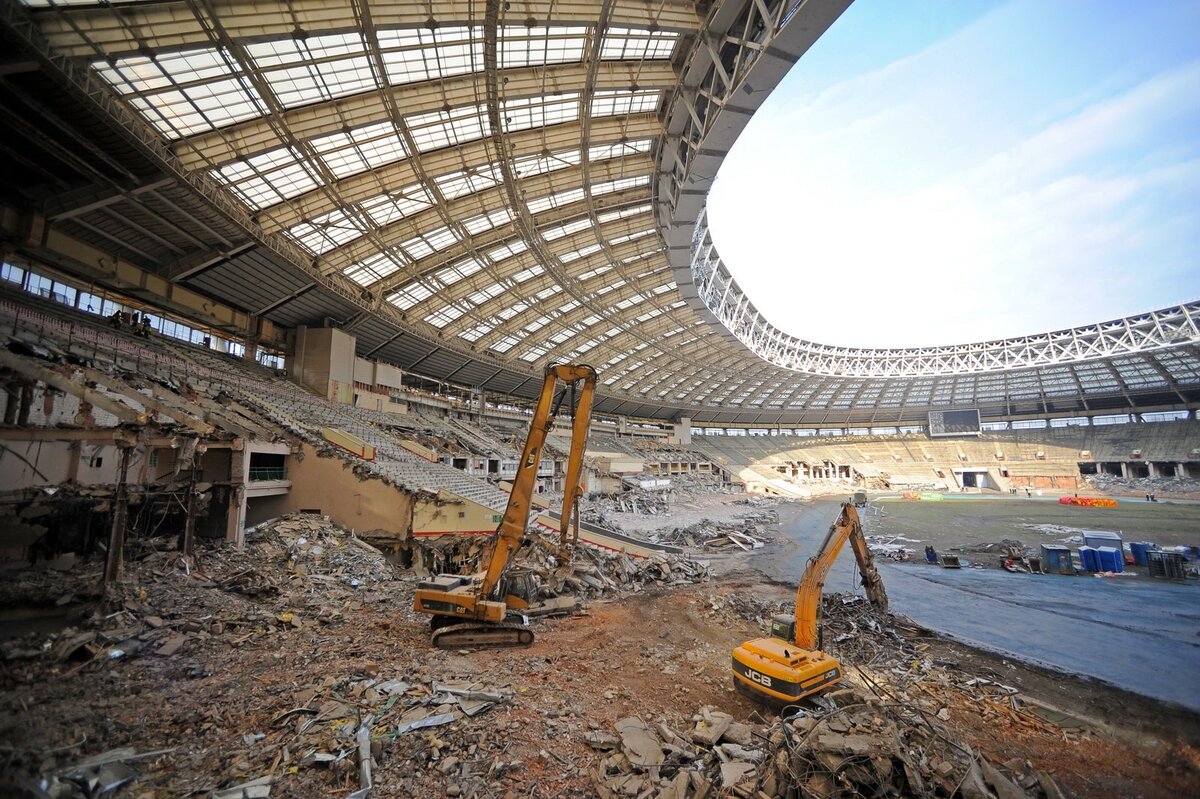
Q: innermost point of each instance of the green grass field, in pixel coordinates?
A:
(967, 522)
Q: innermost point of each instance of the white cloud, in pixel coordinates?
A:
(907, 207)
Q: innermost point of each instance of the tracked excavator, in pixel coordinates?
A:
(488, 609)
(789, 664)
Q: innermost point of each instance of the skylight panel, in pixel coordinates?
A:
(650, 315)
(268, 178)
(563, 335)
(605, 289)
(603, 152)
(664, 288)
(456, 272)
(610, 186)
(623, 213)
(477, 332)
(483, 295)
(303, 71)
(372, 269)
(599, 270)
(460, 184)
(507, 250)
(532, 165)
(591, 320)
(348, 153)
(555, 200)
(629, 302)
(565, 230)
(185, 92)
(447, 128)
(630, 44)
(637, 234)
(570, 306)
(485, 222)
(583, 252)
(409, 295)
(612, 103)
(327, 231)
(509, 313)
(444, 316)
(522, 46)
(418, 54)
(505, 344)
(535, 353)
(548, 292)
(533, 271)
(388, 208)
(425, 244)
(536, 112)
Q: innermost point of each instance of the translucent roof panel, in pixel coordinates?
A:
(373, 269)
(327, 231)
(388, 208)
(409, 295)
(422, 54)
(428, 243)
(185, 92)
(307, 70)
(611, 103)
(348, 153)
(268, 178)
(635, 45)
(522, 46)
(447, 128)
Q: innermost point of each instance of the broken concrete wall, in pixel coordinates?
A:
(451, 515)
(329, 486)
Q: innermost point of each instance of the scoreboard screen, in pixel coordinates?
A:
(954, 423)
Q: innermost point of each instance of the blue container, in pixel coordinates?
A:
(1088, 559)
(1102, 538)
(1111, 559)
(1055, 557)
(1139, 550)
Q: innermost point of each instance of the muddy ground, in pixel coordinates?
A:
(228, 702)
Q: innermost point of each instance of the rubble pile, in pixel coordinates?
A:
(745, 531)
(293, 571)
(881, 734)
(1112, 484)
(858, 743)
(596, 508)
(592, 572)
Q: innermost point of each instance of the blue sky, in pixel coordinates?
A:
(937, 172)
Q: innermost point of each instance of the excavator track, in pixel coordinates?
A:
(482, 636)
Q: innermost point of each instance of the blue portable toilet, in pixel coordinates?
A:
(1111, 559)
(1088, 560)
(1139, 550)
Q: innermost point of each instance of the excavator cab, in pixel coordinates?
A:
(783, 627)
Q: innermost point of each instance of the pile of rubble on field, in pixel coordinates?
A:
(294, 572)
(596, 508)
(1110, 483)
(858, 743)
(343, 726)
(591, 573)
(746, 531)
(881, 734)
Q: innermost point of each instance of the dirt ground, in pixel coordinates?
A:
(227, 705)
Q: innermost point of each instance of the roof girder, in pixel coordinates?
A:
(443, 162)
(471, 205)
(244, 139)
(172, 26)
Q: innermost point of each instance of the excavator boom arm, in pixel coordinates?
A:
(511, 531)
(808, 595)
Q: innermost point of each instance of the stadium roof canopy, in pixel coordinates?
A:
(475, 189)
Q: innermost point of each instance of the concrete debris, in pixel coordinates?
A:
(864, 741)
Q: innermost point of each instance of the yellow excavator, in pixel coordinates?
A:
(789, 665)
(486, 609)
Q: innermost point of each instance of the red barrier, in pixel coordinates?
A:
(1088, 502)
